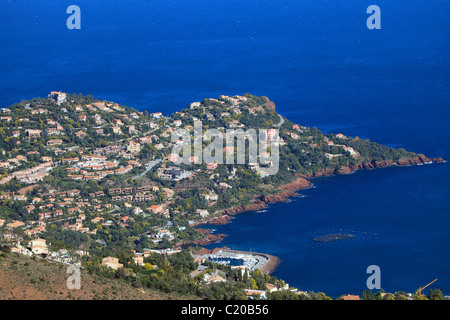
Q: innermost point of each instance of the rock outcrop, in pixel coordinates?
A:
(269, 104)
(257, 205)
(208, 239)
(288, 191)
(419, 159)
(220, 220)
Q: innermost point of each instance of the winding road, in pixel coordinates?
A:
(281, 121)
(149, 167)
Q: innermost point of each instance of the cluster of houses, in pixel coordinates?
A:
(31, 175)
(102, 163)
(173, 173)
(69, 208)
(348, 149)
(95, 167)
(86, 175)
(133, 194)
(139, 194)
(90, 169)
(54, 207)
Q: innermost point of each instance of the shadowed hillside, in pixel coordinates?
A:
(24, 278)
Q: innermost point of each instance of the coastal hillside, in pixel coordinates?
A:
(90, 182)
(25, 278)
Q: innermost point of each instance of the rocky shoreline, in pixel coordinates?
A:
(289, 190)
(286, 191)
(404, 162)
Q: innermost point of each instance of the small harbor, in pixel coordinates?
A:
(250, 260)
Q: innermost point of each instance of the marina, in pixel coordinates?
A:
(250, 260)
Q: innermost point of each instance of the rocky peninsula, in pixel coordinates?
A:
(289, 190)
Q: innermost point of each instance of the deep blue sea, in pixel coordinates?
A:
(322, 67)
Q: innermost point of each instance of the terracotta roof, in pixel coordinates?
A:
(350, 297)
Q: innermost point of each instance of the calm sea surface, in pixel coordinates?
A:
(322, 67)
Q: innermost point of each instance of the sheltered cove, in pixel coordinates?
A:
(289, 190)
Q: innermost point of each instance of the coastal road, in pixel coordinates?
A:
(281, 120)
(149, 167)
